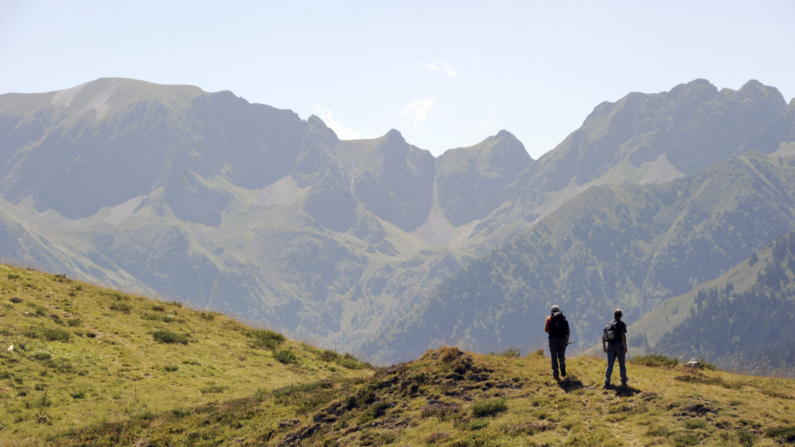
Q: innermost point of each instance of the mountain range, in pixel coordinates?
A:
(376, 246)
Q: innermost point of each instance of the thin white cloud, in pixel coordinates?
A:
(440, 66)
(419, 108)
(344, 133)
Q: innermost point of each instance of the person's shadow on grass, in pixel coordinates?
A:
(570, 384)
(624, 391)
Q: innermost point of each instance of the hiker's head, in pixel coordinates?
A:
(555, 310)
(617, 314)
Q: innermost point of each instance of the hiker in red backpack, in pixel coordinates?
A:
(614, 343)
(558, 329)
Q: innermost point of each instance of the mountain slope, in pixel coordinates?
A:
(252, 210)
(741, 320)
(97, 355)
(611, 246)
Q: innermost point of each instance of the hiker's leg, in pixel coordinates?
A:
(611, 358)
(553, 352)
(621, 366)
(562, 355)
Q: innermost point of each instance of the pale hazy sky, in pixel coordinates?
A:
(444, 73)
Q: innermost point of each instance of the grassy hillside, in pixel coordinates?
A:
(95, 367)
(76, 355)
(452, 398)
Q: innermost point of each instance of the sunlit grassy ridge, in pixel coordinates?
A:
(158, 374)
(83, 355)
(452, 398)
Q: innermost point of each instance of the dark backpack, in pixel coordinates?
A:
(610, 332)
(558, 326)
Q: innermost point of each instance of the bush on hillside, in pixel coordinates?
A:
(489, 408)
(286, 357)
(509, 352)
(170, 337)
(655, 360)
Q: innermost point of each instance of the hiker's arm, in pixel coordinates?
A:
(624, 339)
(546, 326)
(604, 346)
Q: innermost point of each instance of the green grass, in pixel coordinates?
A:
(123, 388)
(490, 408)
(101, 366)
(658, 360)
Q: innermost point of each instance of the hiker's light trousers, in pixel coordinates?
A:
(615, 351)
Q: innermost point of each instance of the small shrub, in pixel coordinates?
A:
(169, 337)
(510, 353)
(328, 355)
(55, 334)
(264, 334)
(41, 312)
(209, 316)
(73, 322)
(707, 365)
(42, 356)
(16, 300)
(785, 433)
(212, 389)
(13, 276)
(78, 394)
(123, 308)
(449, 353)
(39, 387)
(695, 423)
(191, 362)
(350, 362)
(175, 303)
(285, 357)
(90, 334)
(302, 388)
(158, 308)
(478, 424)
(686, 439)
(658, 360)
(171, 368)
(151, 317)
(78, 287)
(489, 408)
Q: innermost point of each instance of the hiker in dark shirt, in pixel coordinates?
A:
(614, 343)
(558, 329)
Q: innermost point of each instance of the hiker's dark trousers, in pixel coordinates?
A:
(557, 350)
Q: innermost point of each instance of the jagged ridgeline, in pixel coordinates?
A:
(75, 355)
(210, 199)
(742, 321)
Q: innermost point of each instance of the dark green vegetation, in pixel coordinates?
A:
(452, 398)
(630, 246)
(249, 209)
(742, 321)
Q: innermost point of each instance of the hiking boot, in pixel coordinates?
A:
(606, 386)
(563, 373)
